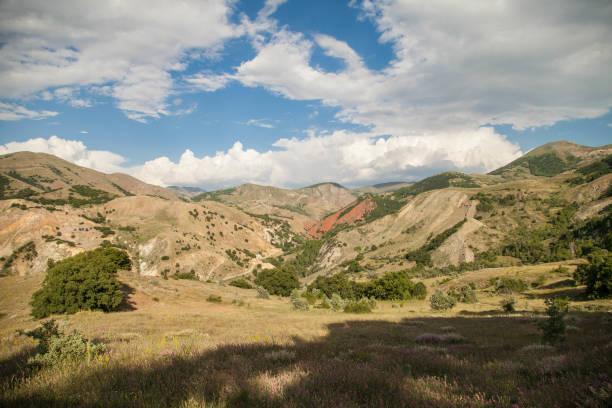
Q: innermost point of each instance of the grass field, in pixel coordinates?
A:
(171, 347)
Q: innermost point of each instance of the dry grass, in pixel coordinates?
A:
(183, 351)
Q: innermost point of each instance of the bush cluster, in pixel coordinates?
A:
(85, 281)
(279, 281)
(55, 346)
(505, 284)
(391, 286)
(597, 274)
(465, 294)
(241, 283)
(441, 301)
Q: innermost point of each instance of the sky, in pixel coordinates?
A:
(216, 93)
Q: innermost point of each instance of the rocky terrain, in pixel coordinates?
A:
(52, 209)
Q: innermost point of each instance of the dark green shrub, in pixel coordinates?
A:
(213, 299)
(278, 281)
(241, 283)
(505, 284)
(85, 281)
(419, 291)
(441, 301)
(310, 297)
(553, 328)
(508, 303)
(597, 274)
(185, 275)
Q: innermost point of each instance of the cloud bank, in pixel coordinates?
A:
(344, 157)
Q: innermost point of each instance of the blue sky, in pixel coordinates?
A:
(290, 93)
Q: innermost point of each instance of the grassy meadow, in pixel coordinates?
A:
(169, 346)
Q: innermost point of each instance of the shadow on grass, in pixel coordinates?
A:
(575, 294)
(127, 305)
(16, 366)
(357, 364)
(560, 284)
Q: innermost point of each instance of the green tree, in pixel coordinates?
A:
(85, 281)
(280, 281)
(597, 274)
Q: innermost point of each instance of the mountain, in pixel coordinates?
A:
(187, 191)
(383, 187)
(551, 159)
(547, 205)
(298, 207)
(50, 180)
(51, 209)
(523, 213)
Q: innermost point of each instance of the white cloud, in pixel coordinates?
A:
(208, 82)
(270, 8)
(341, 156)
(124, 49)
(9, 111)
(260, 123)
(83, 132)
(71, 150)
(67, 95)
(457, 66)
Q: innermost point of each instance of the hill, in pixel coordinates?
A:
(187, 191)
(51, 209)
(298, 207)
(453, 220)
(551, 159)
(383, 187)
(450, 220)
(49, 180)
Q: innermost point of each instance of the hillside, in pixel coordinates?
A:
(49, 180)
(383, 187)
(187, 191)
(449, 220)
(551, 159)
(298, 207)
(52, 209)
(453, 220)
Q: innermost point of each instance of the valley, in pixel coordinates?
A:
(261, 296)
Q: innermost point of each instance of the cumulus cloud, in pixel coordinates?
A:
(9, 111)
(128, 49)
(71, 150)
(345, 157)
